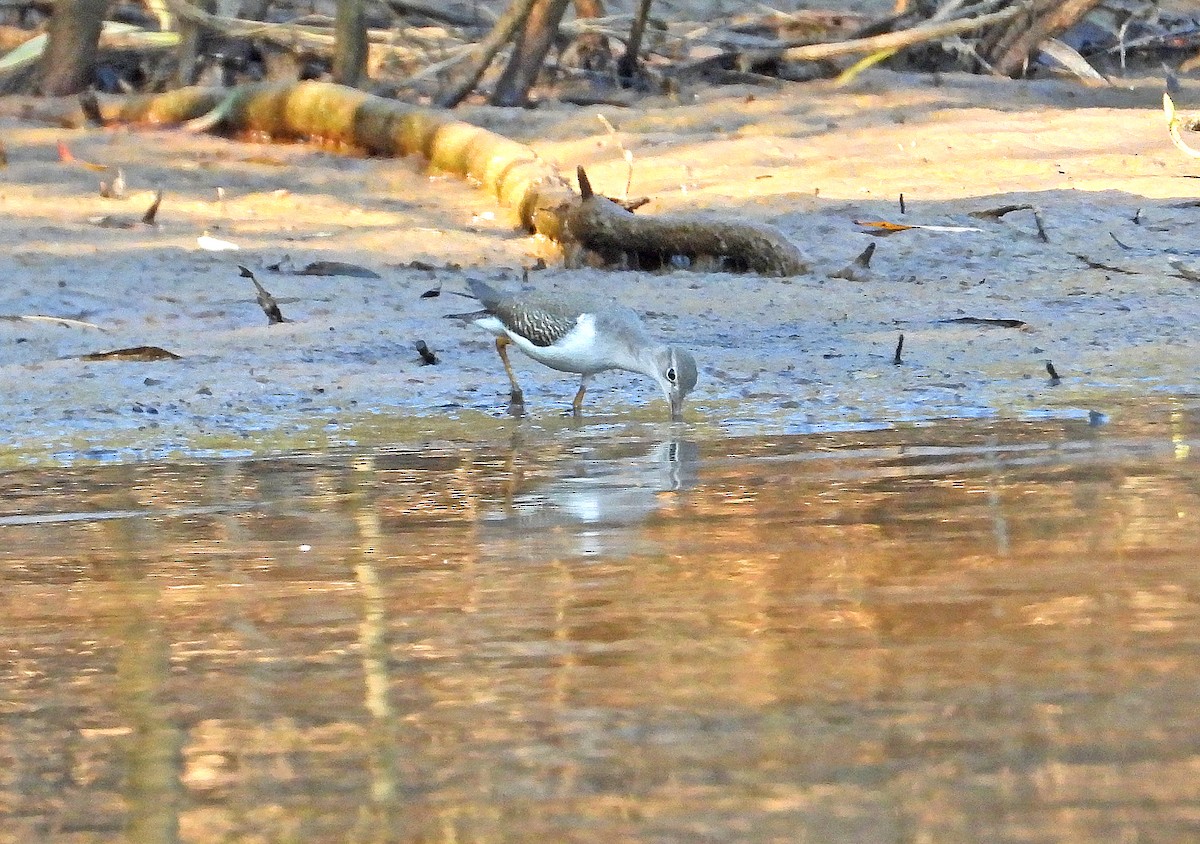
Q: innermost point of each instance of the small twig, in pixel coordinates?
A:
(1054, 379)
(152, 211)
(860, 268)
(428, 358)
(1185, 272)
(997, 213)
(265, 300)
(1108, 268)
(899, 348)
(902, 210)
(1040, 223)
(1117, 241)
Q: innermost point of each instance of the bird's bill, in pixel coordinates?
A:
(676, 408)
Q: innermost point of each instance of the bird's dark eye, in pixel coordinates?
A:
(671, 375)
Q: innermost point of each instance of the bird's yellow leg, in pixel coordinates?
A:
(577, 405)
(516, 396)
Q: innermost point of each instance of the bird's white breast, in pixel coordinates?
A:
(576, 351)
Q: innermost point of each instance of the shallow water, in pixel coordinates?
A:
(983, 631)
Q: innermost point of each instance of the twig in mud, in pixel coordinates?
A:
(1185, 272)
(971, 320)
(1124, 246)
(997, 213)
(896, 361)
(265, 300)
(859, 269)
(428, 357)
(1053, 373)
(1108, 268)
(1137, 217)
(1041, 225)
(152, 211)
(902, 210)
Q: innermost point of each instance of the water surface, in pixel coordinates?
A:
(981, 631)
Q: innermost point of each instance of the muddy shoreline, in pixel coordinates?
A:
(1102, 299)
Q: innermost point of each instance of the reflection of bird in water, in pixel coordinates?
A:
(575, 336)
(592, 505)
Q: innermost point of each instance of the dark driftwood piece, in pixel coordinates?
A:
(600, 225)
(1007, 48)
(510, 171)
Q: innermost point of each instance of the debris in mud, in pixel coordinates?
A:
(884, 228)
(111, 221)
(67, 157)
(322, 268)
(66, 322)
(859, 269)
(899, 348)
(1183, 271)
(428, 356)
(213, 244)
(998, 212)
(1055, 380)
(152, 212)
(114, 189)
(265, 300)
(332, 268)
(1000, 323)
(143, 354)
(1099, 265)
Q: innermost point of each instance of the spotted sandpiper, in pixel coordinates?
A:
(572, 335)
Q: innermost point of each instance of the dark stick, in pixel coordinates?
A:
(902, 211)
(1041, 227)
(1054, 379)
(627, 65)
(148, 217)
(899, 348)
(428, 358)
(265, 300)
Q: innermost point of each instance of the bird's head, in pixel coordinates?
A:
(675, 371)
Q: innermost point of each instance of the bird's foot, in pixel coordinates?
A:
(516, 403)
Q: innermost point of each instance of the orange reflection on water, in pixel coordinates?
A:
(962, 632)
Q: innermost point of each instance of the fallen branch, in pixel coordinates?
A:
(512, 172)
(292, 36)
(888, 41)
